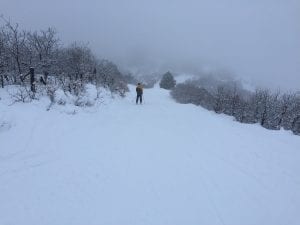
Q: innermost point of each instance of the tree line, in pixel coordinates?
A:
(24, 52)
(272, 110)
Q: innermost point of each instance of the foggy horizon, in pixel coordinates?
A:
(258, 41)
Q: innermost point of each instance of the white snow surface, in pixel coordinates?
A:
(160, 163)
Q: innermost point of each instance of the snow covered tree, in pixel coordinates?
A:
(270, 109)
(17, 53)
(167, 81)
(243, 110)
(220, 100)
(43, 45)
(296, 125)
(3, 57)
(68, 68)
(110, 77)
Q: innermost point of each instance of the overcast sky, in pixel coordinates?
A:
(258, 40)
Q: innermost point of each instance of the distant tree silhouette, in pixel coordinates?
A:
(167, 81)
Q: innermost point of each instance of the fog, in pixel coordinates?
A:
(258, 40)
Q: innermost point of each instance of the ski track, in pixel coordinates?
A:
(158, 163)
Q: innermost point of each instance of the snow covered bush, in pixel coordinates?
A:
(84, 99)
(109, 76)
(296, 125)
(20, 94)
(167, 81)
(188, 93)
(51, 89)
(60, 97)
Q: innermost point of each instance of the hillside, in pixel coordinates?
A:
(157, 163)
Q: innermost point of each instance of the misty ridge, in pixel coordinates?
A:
(39, 64)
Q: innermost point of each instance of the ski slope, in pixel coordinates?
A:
(160, 163)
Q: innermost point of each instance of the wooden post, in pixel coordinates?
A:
(46, 76)
(2, 81)
(32, 80)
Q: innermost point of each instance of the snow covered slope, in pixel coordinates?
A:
(159, 163)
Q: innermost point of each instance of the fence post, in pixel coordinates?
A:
(32, 80)
(2, 81)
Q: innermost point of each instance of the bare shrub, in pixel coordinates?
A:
(21, 94)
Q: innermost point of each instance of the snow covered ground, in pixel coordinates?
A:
(155, 164)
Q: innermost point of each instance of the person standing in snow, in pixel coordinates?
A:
(139, 93)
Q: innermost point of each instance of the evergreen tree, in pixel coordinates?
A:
(167, 82)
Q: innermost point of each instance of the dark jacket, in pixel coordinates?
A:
(139, 90)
